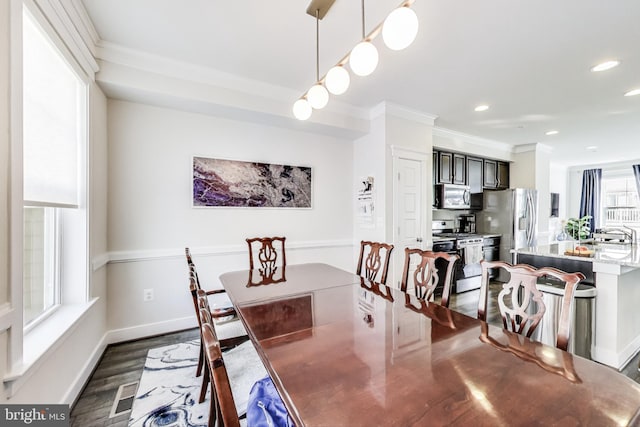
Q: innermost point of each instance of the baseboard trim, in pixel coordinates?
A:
(150, 329)
(81, 380)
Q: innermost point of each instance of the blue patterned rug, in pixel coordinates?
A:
(168, 391)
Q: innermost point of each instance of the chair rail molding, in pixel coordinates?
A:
(155, 254)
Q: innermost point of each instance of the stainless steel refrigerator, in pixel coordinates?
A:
(512, 213)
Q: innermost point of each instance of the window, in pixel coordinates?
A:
(40, 275)
(54, 117)
(620, 200)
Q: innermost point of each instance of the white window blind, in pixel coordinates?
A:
(51, 128)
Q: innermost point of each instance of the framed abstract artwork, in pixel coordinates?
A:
(235, 183)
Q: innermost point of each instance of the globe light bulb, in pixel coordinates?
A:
(400, 28)
(337, 80)
(363, 58)
(302, 109)
(318, 96)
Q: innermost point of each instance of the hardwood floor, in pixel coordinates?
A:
(122, 363)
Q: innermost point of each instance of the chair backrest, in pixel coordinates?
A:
(374, 257)
(266, 253)
(426, 275)
(187, 253)
(225, 408)
(521, 303)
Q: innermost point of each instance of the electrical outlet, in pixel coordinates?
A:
(148, 295)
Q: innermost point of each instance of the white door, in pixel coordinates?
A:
(408, 210)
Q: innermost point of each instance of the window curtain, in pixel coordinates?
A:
(591, 195)
(636, 173)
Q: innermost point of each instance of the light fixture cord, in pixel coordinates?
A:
(317, 45)
(362, 19)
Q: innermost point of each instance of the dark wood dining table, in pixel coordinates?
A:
(343, 351)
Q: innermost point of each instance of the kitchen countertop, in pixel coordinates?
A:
(627, 255)
(437, 238)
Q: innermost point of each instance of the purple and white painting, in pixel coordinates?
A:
(220, 182)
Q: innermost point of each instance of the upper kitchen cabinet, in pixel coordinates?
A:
(475, 168)
(496, 175)
(451, 167)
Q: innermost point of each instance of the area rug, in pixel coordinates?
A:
(168, 392)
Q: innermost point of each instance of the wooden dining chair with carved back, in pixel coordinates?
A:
(426, 275)
(520, 301)
(220, 313)
(267, 254)
(373, 263)
(222, 407)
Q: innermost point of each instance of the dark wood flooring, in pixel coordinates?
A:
(122, 363)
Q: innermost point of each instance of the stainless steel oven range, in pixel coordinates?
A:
(471, 247)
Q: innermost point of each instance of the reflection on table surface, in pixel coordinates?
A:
(366, 354)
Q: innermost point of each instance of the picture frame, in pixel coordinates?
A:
(218, 182)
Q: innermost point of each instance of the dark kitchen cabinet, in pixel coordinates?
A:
(445, 167)
(503, 175)
(434, 176)
(474, 174)
(451, 168)
(459, 169)
(496, 175)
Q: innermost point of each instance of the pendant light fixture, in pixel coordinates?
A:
(318, 95)
(398, 30)
(364, 56)
(337, 80)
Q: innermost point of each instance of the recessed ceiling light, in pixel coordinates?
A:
(592, 148)
(633, 92)
(551, 132)
(607, 65)
(481, 108)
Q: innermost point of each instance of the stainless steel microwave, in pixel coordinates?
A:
(451, 196)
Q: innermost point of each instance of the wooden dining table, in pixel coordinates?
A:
(343, 351)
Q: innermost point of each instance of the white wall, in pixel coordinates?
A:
(558, 183)
(5, 171)
(369, 160)
(151, 220)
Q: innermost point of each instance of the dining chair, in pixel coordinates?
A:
(426, 275)
(520, 301)
(374, 258)
(222, 405)
(234, 332)
(267, 253)
(242, 365)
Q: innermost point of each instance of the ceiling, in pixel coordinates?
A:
(529, 60)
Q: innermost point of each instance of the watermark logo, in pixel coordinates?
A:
(34, 415)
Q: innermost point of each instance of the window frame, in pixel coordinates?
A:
(71, 280)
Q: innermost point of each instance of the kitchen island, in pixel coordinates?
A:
(615, 271)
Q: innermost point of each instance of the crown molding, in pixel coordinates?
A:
(114, 53)
(402, 112)
(537, 147)
(146, 87)
(472, 139)
(84, 25)
(63, 16)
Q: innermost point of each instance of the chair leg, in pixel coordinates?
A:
(205, 383)
(213, 409)
(200, 360)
